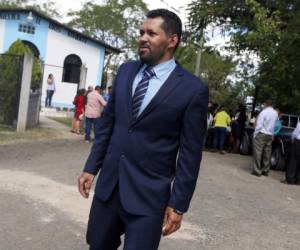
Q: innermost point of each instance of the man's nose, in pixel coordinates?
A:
(143, 38)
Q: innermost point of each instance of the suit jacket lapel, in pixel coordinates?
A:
(170, 84)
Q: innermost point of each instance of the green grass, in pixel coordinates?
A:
(8, 136)
(64, 120)
(5, 129)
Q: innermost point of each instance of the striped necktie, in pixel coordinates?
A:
(140, 91)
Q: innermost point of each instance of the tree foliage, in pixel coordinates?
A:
(116, 23)
(269, 28)
(217, 72)
(47, 8)
(11, 73)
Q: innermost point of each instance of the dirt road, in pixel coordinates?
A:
(41, 209)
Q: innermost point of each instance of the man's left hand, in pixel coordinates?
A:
(172, 222)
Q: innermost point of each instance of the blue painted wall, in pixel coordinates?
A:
(39, 39)
(101, 66)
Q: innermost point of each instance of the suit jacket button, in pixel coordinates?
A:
(130, 130)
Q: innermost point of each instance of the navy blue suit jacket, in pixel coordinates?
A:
(164, 144)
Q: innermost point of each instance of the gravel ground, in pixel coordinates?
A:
(231, 209)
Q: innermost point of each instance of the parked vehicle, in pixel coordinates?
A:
(280, 145)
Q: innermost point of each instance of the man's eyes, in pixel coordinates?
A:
(150, 33)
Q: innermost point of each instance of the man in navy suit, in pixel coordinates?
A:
(149, 146)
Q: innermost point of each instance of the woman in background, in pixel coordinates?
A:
(79, 102)
(50, 90)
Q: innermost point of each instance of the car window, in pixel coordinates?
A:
(293, 121)
(285, 120)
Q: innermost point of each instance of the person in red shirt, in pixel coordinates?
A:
(79, 102)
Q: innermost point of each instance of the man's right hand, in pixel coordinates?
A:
(85, 181)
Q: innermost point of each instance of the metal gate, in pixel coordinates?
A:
(11, 67)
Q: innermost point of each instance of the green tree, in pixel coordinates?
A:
(268, 28)
(117, 23)
(47, 8)
(12, 3)
(10, 78)
(216, 70)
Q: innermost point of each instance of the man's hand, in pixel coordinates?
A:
(85, 181)
(172, 222)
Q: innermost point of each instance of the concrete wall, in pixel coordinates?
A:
(33, 110)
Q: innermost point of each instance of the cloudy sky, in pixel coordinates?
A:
(177, 6)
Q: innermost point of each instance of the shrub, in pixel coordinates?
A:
(10, 76)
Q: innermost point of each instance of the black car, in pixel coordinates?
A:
(280, 145)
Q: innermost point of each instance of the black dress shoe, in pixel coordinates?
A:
(265, 173)
(256, 174)
(287, 182)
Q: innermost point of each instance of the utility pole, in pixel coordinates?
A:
(199, 54)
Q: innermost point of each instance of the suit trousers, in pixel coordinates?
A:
(108, 221)
(262, 148)
(293, 168)
(89, 123)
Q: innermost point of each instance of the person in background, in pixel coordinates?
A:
(278, 123)
(210, 118)
(221, 122)
(50, 90)
(237, 127)
(107, 94)
(262, 139)
(252, 121)
(93, 109)
(79, 102)
(292, 175)
(90, 89)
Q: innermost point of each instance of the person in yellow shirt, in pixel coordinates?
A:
(221, 122)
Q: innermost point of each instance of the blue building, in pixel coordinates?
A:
(75, 60)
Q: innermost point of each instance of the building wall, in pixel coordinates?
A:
(59, 46)
(54, 44)
(101, 66)
(2, 30)
(39, 39)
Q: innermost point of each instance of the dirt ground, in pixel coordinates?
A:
(231, 209)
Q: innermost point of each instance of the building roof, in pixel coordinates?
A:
(109, 49)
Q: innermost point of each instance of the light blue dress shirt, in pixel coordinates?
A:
(162, 72)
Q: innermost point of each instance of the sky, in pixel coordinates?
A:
(176, 6)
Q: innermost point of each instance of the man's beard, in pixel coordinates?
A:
(151, 58)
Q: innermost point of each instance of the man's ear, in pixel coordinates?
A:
(173, 40)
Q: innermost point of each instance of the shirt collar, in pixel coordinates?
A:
(162, 68)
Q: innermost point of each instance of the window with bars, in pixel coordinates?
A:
(72, 66)
(26, 28)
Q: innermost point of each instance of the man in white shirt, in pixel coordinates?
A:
(262, 139)
(293, 168)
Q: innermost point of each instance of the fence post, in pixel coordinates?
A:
(25, 92)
